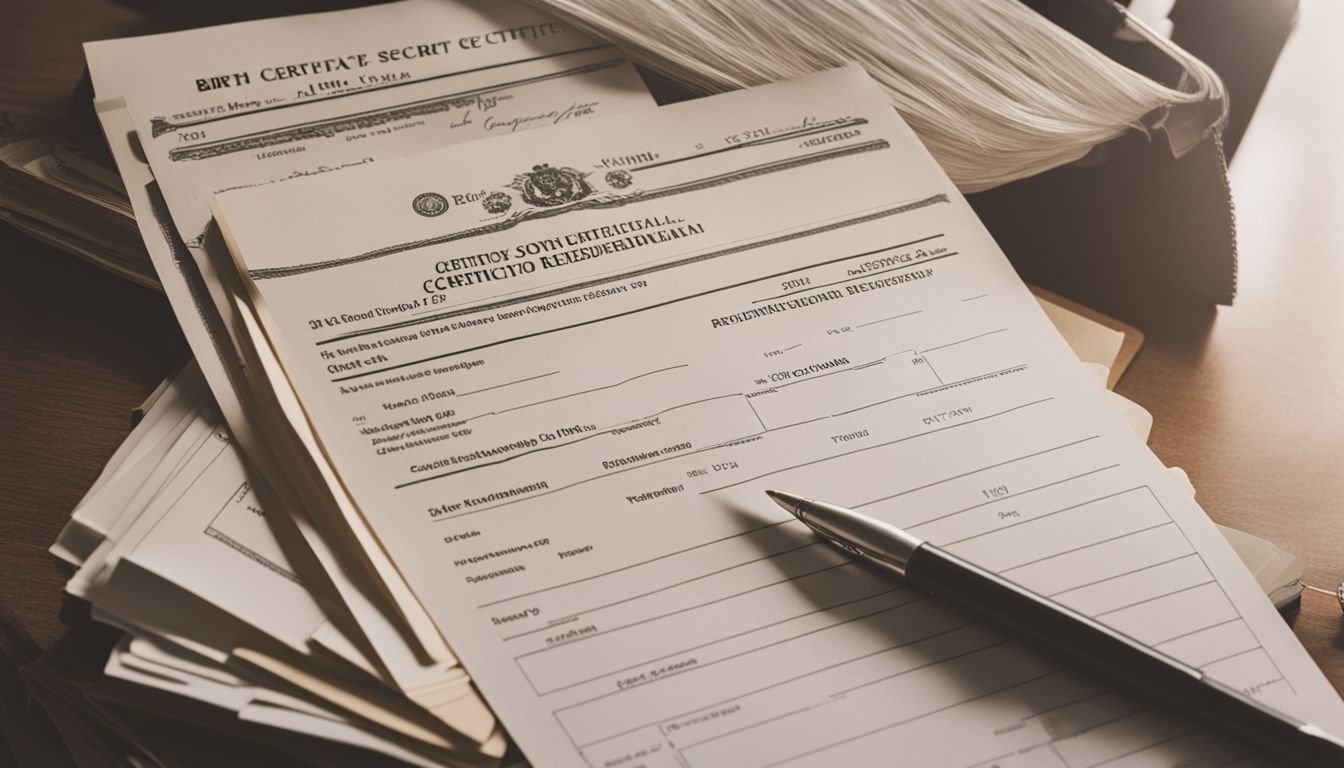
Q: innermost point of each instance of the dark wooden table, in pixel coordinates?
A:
(1248, 399)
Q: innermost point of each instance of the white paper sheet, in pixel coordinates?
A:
(155, 664)
(559, 416)
(92, 521)
(271, 100)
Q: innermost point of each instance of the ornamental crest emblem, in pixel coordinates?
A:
(496, 202)
(619, 178)
(429, 204)
(547, 187)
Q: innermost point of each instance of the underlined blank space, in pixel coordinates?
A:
(1251, 672)
(1048, 531)
(1184, 611)
(627, 636)
(1213, 748)
(841, 389)
(976, 693)
(1036, 757)
(1131, 588)
(1151, 729)
(805, 671)
(1043, 481)
(1104, 560)
(1207, 645)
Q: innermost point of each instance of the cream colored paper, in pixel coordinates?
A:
(297, 96)
(771, 288)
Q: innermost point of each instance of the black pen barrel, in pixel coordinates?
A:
(1118, 657)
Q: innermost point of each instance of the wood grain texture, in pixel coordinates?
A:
(79, 348)
(41, 58)
(1247, 399)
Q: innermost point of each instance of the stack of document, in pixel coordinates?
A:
(554, 413)
(1278, 573)
(275, 615)
(172, 545)
(65, 191)
(494, 360)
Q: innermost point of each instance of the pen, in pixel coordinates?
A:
(1079, 637)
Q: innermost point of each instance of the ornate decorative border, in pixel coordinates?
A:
(603, 200)
(325, 129)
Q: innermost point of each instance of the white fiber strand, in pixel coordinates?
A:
(994, 90)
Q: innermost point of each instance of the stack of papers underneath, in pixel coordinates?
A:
(205, 583)
(555, 413)
(64, 190)
(231, 596)
(1277, 572)
(253, 581)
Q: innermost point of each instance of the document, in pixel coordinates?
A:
(153, 664)
(558, 407)
(195, 561)
(275, 100)
(57, 189)
(103, 505)
(191, 560)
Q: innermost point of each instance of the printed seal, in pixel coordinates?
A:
(429, 204)
(496, 202)
(547, 187)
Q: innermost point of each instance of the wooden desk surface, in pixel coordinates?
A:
(1247, 399)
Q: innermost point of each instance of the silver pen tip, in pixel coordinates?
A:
(788, 501)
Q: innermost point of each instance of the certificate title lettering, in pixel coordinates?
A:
(354, 61)
(559, 251)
